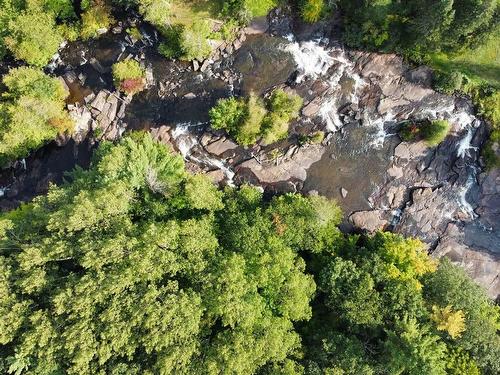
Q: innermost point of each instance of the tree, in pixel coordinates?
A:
(251, 119)
(413, 349)
(447, 320)
(156, 12)
(95, 19)
(32, 112)
(31, 34)
(128, 76)
(136, 267)
(282, 108)
(449, 285)
(194, 41)
(312, 10)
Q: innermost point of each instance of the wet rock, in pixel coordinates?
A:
(258, 25)
(312, 108)
(236, 44)
(217, 176)
(98, 66)
(421, 76)
(371, 221)
(161, 134)
(83, 120)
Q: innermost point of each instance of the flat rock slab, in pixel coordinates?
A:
(293, 168)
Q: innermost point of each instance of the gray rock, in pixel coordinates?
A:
(370, 221)
(220, 146)
(204, 65)
(343, 192)
(196, 65)
(100, 100)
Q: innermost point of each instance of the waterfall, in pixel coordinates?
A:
(464, 145)
(186, 143)
(462, 192)
(312, 59)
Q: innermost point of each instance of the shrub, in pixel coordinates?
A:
(194, 41)
(312, 10)
(317, 137)
(171, 47)
(283, 107)
(128, 76)
(228, 114)
(435, 132)
(250, 129)
(155, 11)
(248, 120)
(95, 19)
(489, 107)
(448, 82)
(32, 112)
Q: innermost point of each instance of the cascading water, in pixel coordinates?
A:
(186, 143)
(464, 145)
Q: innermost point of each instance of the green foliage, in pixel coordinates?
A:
(451, 286)
(96, 18)
(418, 27)
(171, 47)
(194, 41)
(128, 76)
(432, 132)
(228, 114)
(413, 349)
(31, 112)
(489, 107)
(282, 108)
(448, 83)
(186, 42)
(247, 121)
(459, 362)
(29, 32)
(249, 131)
(245, 10)
(156, 12)
(312, 10)
(136, 267)
(435, 132)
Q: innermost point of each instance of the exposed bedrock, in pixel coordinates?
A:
(440, 195)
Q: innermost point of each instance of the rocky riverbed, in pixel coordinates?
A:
(441, 195)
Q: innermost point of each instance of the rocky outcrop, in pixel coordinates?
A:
(293, 167)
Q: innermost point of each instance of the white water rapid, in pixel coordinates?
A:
(186, 143)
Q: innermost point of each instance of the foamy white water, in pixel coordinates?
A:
(312, 59)
(186, 142)
(464, 145)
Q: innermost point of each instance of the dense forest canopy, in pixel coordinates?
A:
(136, 267)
